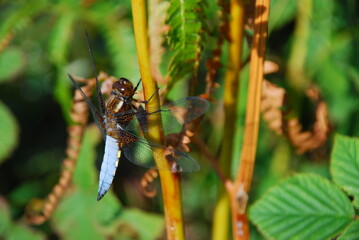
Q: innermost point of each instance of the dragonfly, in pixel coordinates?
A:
(123, 115)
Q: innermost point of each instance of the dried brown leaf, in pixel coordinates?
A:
(147, 182)
(303, 141)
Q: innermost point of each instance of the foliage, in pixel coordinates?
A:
(9, 132)
(351, 232)
(299, 208)
(41, 41)
(11, 62)
(344, 166)
(185, 37)
(12, 230)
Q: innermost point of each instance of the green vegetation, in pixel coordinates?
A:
(304, 183)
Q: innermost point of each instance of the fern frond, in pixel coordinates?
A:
(186, 20)
(20, 18)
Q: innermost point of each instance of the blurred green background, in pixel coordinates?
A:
(42, 40)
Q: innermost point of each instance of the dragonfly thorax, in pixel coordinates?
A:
(123, 88)
(122, 101)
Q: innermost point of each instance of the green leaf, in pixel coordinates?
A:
(20, 17)
(62, 92)
(58, 49)
(302, 207)
(148, 226)
(21, 231)
(187, 24)
(25, 192)
(9, 132)
(345, 165)
(60, 38)
(11, 62)
(5, 218)
(351, 233)
(86, 174)
(81, 216)
(10, 230)
(281, 12)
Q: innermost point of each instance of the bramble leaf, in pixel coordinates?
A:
(302, 207)
(351, 233)
(345, 165)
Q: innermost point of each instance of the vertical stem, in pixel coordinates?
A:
(296, 65)
(241, 187)
(254, 97)
(170, 182)
(221, 211)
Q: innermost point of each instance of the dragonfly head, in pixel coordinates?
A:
(122, 87)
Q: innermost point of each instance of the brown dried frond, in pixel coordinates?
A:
(147, 181)
(39, 210)
(305, 141)
(273, 98)
(156, 30)
(180, 140)
(272, 102)
(270, 67)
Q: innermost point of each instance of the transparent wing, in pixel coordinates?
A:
(141, 152)
(95, 113)
(173, 114)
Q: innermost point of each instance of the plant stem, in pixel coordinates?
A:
(221, 213)
(170, 182)
(241, 187)
(297, 61)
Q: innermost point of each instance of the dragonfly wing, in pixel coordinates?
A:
(95, 113)
(108, 166)
(141, 152)
(174, 114)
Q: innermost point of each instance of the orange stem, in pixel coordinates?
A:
(241, 186)
(170, 182)
(221, 212)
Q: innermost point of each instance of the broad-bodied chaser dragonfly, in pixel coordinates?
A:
(121, 116)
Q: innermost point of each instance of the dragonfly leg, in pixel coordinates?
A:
(138, 84)
(146, 101)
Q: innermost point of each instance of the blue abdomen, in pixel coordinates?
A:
(108, 166)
